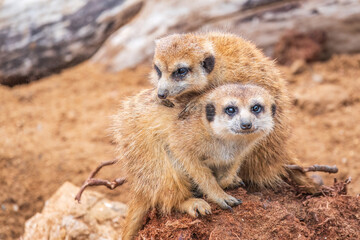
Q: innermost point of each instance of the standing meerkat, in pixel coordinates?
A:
(165, 156)
(187, 65)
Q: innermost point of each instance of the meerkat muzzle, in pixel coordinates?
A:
(163, 93)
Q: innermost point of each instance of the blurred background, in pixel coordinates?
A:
(65, 65)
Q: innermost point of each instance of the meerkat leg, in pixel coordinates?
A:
(195, 207)
(207, 183)
(138, 208)
(228, 178)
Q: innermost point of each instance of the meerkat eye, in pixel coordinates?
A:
(231, 110)
(157, 71)
(256, 108)
(181, 72)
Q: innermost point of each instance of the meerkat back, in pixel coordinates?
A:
(140, 129)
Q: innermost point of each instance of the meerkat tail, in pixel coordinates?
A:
(134, 219)
(303, 181)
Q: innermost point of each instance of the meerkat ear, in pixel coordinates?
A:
(273, 109)
(208, 64)
(210, 112)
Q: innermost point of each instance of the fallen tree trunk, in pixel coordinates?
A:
(262, 21)
(38, 38)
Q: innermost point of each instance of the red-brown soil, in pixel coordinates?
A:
(265, 215)
(56, 130)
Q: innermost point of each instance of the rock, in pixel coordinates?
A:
(63, 218)
(104, 211)
(40, 37)
(263, 21)
(318, 78)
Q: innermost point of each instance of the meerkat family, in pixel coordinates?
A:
(186, 65)
(198, 127)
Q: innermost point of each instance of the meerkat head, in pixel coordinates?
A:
(181, 64)
(235, 110)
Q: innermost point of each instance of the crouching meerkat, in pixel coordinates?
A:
(187, 65)
(165, 156)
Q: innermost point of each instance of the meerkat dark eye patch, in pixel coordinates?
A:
(273, 109)
(157, 71)
(208, 64)
(210, 112)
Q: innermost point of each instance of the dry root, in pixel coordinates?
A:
(314, 168)
(91, 181)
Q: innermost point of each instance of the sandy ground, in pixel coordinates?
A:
(56, 130)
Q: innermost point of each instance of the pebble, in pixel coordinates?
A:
(317, 78)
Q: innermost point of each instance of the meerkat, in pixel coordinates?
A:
(188, 65)
(224, 126)
(165, 156)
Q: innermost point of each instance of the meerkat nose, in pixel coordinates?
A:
(163, 94)
(245, 125)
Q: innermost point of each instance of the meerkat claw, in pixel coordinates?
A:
(242, 184)
(225, 205)
(233, 201)
(233, 204)
(196, 213)
(196, 207)
(230, 209)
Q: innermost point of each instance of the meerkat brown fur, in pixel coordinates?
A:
(186, 65)
(165, 156)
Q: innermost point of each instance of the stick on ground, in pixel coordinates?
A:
(314, 168)
(91, 181)
(339, 188)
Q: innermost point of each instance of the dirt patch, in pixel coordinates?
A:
(55, 130)
(326, 116)
(265, 215)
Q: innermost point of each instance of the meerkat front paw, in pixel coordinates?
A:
(195, 207)
(231, 182)
(227, 201)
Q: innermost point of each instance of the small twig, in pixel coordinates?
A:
(315, 216)
(339, 188)
(91, 181)
(314, 168)
(325, 221)
(348, 180)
